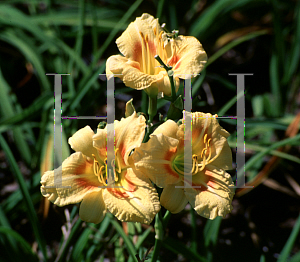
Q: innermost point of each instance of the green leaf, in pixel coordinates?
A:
(252, 161)
(232, 44)
(211, 231)
(81, 243)
(25, 246)
(130, 247)
(30, 208)
(6, 106)
(29, 52)
(295, 258)
(283, 257)
(212, 14)
(178, 247)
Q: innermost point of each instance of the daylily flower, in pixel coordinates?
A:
(140, 42)
(206, 188)
(85, 172)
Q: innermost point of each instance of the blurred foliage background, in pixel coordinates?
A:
(259, 37)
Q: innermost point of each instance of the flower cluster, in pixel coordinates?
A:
(160, 161)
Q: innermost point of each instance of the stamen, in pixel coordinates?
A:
(209, 155)
(154, 30)
(149, 68)
(205, 159)
(101, 175)
(203, 163)
(160, 34)
(95, 166)
(143, 53)
(202, 152)
(195, 164)
(205, 136)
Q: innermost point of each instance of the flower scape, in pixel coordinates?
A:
(141, 166)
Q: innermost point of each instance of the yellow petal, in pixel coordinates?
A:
(82, 141)
(129, 132)
(154, 160)
(100, 143)
(92, 208)
(130, 73)
(131, 43)
(224, 159)
(214, 197)
(136, 205)
(173, 198)
(168, 128)
(186, 55)
(77, 173)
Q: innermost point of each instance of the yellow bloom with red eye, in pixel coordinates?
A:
(84, 176)
(207, 184)
(140, 42)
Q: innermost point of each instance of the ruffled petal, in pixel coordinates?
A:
(173, 199)
(77, 173)
(186, 55)
(130, 73)
(92, 208)
(136, 202)
(82, 141)
(154, 160)
(214, 197)
(168, 128)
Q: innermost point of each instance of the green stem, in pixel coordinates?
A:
(166, 218)
(152, 109)
(194, 230)
(160, 225)
(167, 68)
(170, 74)
(159, 233)
(173, 91)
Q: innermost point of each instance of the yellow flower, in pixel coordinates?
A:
(140, 42)
(162, 160)
(85, 173)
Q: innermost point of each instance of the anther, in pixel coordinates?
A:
(160, 34)
(205, 136)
